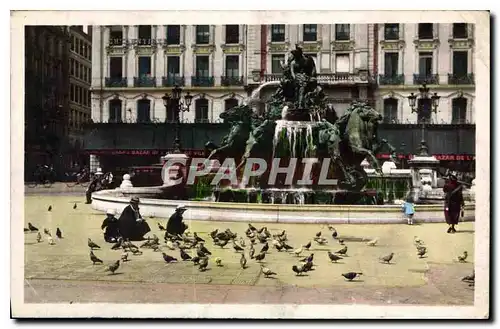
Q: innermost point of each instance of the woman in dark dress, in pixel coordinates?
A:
(175, 224)
(132, 225)
(453, 203)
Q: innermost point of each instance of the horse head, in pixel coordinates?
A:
(236, 114)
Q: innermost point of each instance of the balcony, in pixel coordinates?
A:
(327, 78)
(199, 81)
(462, 79)
(115, 42)
(396, 79)
(144, 82)
(115, 82)
(172, 80)
(428, 79)
(231, 81)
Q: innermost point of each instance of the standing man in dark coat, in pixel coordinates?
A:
(175, 224)
(453, 203)
(132, 225)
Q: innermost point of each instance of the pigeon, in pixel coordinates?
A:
(26, 229)
(155, 240)
(265, 248)
(50, 208)
(243, 261)
(204, 249)
(38, 237)
(251, 227)
(125, 257)
(147, 243)
(155, 247)
(168, 258)
(387, 259)
(287, 247)
(421, 248)
(278, 247)
(50, 240)
(321, 240)
(92, 245)
(170, 245)
(58, 233)
(113, 267)
(308, 245)
(117, 245)
(261, 229)
(221, 243)
(203, 264)
(462, 258)
(74, 206)
(469, 277)
(266, 271)
(342, 251)
(251, 253)
(242, 242)
(318, 234)
(341, 242)
(218, 261)
(297, 252)
(333, 257)
(94, 258)
(195, 260)
(185, 255)
(213, 234)
(351, 275)
(417, 240)
(47, 232)
(236, 247)
(262, 239)
(252, 240)
(307, 266)
(334, 233)
(260, 256)
(135, 251)
(421, 252)
(331, 228)
(32, 228)
(161, 227)
(197, 238)
(297, 269)
(200, 253)
(308, 259)
(372, 243)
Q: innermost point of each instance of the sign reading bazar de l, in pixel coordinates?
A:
(198, 153)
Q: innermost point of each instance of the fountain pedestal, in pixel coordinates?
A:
(174, 168)
(423, 168)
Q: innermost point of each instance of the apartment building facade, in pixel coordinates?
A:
(439, 55)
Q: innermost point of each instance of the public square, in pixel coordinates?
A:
(64, 273)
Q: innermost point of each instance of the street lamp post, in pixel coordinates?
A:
(174, 102)
(420, 108)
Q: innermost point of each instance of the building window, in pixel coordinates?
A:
(72, 66)
(278, 33)
(425, 64)
(232, 66)
(116, 35)
(202, 34)
(72, 43)
(202, 66)
(425, 31)
(173, 65)
(115, 110)
(173, 34)
(460, 61)
(90, 52)
(460, 31)
(232, 34)
(116, 67)
(77, 70)
(342, 32)
(72, 92)
(424, 114)
(310, 32)
(230, 103)
(143, 110)
(459, 110)
(84, 74)
(391, 64)
(144, 34)
(342, 63)
(276, 64)
(391, 31)
(201, 110)
(144, 66)
(390, 110)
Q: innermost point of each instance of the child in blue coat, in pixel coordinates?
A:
(409, 210)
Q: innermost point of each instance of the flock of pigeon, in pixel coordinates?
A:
(191, 247)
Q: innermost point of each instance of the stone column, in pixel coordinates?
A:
(131, 61)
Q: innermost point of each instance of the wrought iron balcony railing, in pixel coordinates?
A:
(231, 81)
(326, 78)
(429, 79)
(144, 82)
(116, 41)
(202, 120)
(397, 79)
(172, 80)
(462, 79)
(115, 82)
(200, 81)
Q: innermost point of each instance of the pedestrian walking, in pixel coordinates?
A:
(453, 202)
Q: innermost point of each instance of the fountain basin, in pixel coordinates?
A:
(118, 199)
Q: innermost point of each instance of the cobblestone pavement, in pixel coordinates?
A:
(64, 273)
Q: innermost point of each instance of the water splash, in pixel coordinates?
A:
(298, 136)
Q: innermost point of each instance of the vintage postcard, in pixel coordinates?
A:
(251, 164)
